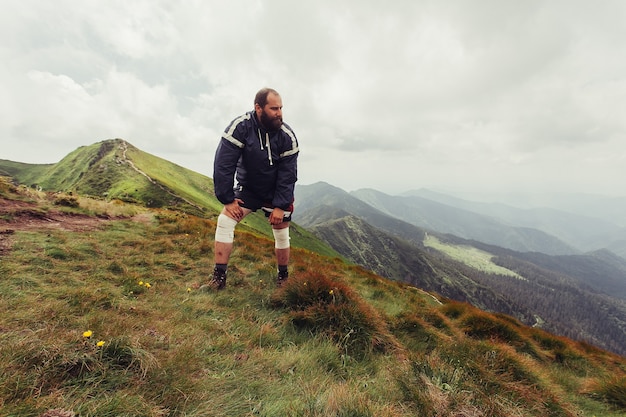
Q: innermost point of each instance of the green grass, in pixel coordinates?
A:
(470, 256)
(63, 175)
(190, 185)
(337, 340)
(28, 173)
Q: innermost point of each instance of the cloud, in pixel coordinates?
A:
(490, 95)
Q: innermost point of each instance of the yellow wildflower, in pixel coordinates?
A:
(140, 283)
(148, 285)
(188, 289)
(87, 334)
(100, 343)
(331, 292)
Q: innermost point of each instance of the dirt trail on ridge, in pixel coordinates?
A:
(18, 215)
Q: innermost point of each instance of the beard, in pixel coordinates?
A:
(271, 124)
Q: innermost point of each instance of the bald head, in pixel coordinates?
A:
(261, 96)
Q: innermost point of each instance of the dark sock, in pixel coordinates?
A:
(282, 269)
(221, 267)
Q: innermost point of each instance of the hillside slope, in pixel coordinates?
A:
(394, 258)
(106, 320)
(116, 169)
(576, 295)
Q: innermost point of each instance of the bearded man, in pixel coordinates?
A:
(261, 152)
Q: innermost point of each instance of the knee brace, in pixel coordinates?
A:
(281, 238)
(225, 230)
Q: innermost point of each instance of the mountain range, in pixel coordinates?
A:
(539, 279)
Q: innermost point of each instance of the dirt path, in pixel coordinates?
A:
(165, 189)
(19, 215)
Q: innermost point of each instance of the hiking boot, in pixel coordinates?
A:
(218, 281)
(281, 278)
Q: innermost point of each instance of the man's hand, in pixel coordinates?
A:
(277, 215)
(234, 209)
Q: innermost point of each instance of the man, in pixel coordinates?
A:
(262, 152)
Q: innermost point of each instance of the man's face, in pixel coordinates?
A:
(271, 116)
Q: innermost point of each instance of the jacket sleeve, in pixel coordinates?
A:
(287, 173)
(224, 167)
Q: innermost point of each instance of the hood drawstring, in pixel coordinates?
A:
(267, 144)
(269, 149)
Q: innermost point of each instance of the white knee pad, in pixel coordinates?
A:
(281, 238)
(225, 230)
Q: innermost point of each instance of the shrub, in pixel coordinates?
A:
(327, 307)
(414, 333)
(481, 325)
(436, 320)
(454, 309)
(547, 340)
(66, 201)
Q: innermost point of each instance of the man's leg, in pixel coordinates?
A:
(282, 249)
(222, 252)
(224, 238)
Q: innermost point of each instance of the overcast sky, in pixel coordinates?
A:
(487, 95)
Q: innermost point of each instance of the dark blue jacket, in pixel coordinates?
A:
(265, 163)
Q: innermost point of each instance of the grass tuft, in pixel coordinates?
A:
(322, 305)
(482, 325)
(613, 391)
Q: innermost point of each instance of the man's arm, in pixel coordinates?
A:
(287, 170)
(286, 182)
(224, 167)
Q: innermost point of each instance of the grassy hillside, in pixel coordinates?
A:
(104, 318)
(116, 169)
(28, 173)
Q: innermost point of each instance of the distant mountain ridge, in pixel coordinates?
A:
(608, 208)
(585, 227)
(320, 202)
(443, 218)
